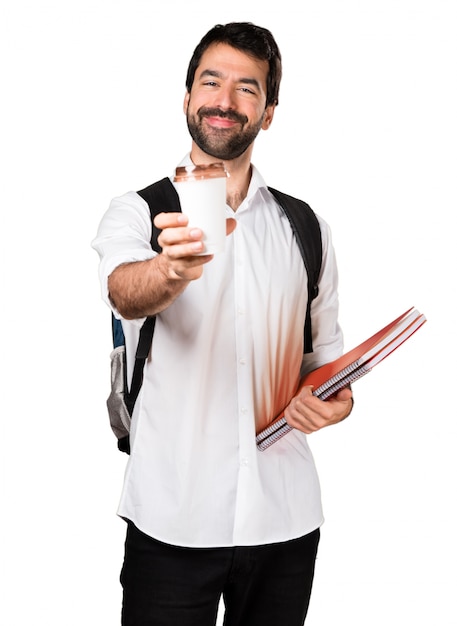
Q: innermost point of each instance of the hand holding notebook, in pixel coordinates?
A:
(308, 413)
(327, 380)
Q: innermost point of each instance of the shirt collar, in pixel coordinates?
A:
(257, 182)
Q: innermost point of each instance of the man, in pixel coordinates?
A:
(208, 514)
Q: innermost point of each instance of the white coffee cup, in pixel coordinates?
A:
(202, 191)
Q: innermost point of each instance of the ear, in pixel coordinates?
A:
(186, 102)
(268, 116)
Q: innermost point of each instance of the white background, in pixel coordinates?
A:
(366, 133)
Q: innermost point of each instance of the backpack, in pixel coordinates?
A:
(162, 196)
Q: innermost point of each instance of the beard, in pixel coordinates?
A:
(222, 143)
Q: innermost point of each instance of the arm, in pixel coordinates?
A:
(306, 412)
(145, 288)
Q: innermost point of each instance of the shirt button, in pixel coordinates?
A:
(244, 462)
(243, 361)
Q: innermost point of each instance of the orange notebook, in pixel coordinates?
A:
(331, 377)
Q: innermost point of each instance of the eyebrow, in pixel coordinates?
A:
(245, 81)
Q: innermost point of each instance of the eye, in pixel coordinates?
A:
(247, 90)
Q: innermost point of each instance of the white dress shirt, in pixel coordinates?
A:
(225, 360)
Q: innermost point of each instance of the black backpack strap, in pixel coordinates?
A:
(161, 197)
(142, 352)
(305, 226)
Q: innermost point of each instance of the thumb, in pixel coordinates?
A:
(230, 225)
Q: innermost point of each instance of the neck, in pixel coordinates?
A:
(237, 183)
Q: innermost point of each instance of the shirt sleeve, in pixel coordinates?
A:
(123, 236)
(326, 331)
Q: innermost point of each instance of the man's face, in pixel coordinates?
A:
(226, 106)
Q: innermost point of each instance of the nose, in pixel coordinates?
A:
(226, 99)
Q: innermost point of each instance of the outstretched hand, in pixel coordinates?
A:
(182, 246)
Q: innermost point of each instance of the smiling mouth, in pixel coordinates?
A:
(217, 118)
(220, 122)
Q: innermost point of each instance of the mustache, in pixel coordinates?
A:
(216, 112)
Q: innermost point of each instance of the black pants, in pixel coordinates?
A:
(261, 585)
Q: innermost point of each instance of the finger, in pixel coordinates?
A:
(306, 392)
(299, 416)
(344, 394)
(188, 253)
(170, 220)
(190, 268)
(175, 236)
(298, 422)
(184, 266)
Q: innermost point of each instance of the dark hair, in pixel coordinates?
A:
(254, 40)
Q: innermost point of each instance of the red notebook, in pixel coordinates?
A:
(331, 377)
